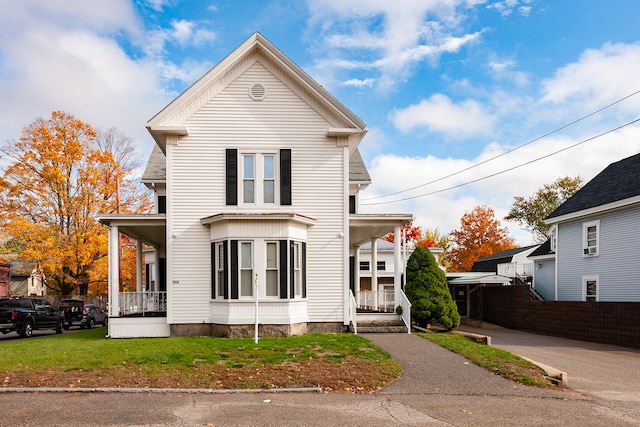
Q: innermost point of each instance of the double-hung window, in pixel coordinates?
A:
(590, 288)
(221, 265)
(246, 269)
(272, 276)
(297, 269)
(591, 238)
(258, 178)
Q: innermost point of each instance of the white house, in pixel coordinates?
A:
(256, 176)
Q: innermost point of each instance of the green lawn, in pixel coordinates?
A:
(331, 361)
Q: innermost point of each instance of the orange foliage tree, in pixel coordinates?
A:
(57, 181)
(413, 233)
(479, 235)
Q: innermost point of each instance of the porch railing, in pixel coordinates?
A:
(142, 303)
(353, 312)
(406, 310)
(514, 269)
(385, 301)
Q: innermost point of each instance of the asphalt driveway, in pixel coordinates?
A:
(604, 372)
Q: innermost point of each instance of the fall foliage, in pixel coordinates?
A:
(57, 181)
(479, 235)
(531, 212)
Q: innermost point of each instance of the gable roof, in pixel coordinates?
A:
(620, 181)
(543, 250)
(170, 120)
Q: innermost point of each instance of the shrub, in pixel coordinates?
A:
(428, 291)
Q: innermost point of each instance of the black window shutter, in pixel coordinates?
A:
(147, 278)
(234, 269)
(283, 269)
(214, 270)
(352, 204)
(225, 270)
(285, 177)
(162, 204)
(292, 264)
(304, 269)
(232, 176)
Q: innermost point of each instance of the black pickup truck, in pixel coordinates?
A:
(24, 315)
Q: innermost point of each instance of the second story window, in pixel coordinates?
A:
(364, 265)
(590, 237)
(258, 178)
(381, 265)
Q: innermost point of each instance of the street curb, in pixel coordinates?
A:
(154, 390)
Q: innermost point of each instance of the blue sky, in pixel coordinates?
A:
(443, 85)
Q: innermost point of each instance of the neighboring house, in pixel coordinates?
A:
(256, 178)
(512, 263)
(25, 279)
(592, 253)
(5, 279)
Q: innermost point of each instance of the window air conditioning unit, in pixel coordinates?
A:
(590, 251)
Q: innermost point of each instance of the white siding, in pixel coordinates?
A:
(233, 120)
(616, 265)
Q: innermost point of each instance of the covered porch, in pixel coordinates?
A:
(380, 300)
(143, 312)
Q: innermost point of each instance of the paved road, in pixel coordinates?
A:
(437, 388)
(610, 374)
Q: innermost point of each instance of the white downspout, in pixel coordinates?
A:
(374, 272)
(138, 266)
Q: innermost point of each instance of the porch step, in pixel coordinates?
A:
(382, 327)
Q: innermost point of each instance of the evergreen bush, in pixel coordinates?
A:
(428, 292)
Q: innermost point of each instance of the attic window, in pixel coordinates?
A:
(257, 92)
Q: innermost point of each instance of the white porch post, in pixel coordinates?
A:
(397, 270)
(374, 272)
(356, 275)
(156, 268)
(138, 266)
(114, 272)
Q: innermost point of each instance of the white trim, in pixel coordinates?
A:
(590, 278)
(595, 210)
(590, 251)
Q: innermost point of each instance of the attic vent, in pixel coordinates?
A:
(257, 92)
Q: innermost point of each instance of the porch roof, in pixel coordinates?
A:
(365, 227)
(480, 279)
(148, 228)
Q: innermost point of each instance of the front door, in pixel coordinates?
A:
(460, 295)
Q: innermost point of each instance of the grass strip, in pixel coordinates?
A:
(498, 361)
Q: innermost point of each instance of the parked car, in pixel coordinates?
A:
(24, 315)
(77, 313)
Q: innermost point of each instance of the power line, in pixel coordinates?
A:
(506, 170)
(506, 152)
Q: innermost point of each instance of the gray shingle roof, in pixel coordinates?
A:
(156, 169)
(618, 181)
(357, 170)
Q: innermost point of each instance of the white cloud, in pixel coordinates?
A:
(440, 114)
(600, 76)
(359, 83)
(388, 38)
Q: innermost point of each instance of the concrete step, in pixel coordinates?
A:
(382, 329)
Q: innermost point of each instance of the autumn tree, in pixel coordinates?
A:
(57, 181)
(412, 233)
(479, 235)
(432, 238)
(428, 291)
(531, 212)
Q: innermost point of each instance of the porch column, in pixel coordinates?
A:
(397, 269)
(356, 275)
(114, 272)
(156, 268)
(138, 266)
(374, 272)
